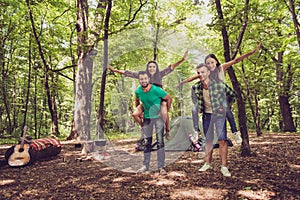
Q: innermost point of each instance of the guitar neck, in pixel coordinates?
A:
(23, 137)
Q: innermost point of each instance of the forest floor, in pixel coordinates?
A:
(273, 173)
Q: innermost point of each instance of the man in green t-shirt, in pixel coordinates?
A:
(151, 96)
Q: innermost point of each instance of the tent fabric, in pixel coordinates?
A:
(180, 129)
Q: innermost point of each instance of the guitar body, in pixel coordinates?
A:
(20, 156)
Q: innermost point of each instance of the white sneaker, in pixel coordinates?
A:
(205, 167)
(237, 138)
(225, 171)
(142, 169)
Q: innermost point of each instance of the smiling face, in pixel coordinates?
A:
(211, 63)
(144, 80)
(204, 71)
(152, 68)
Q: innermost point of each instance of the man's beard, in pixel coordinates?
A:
(145, 86)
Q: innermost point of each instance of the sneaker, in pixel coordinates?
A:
(162, 171)
(205, 167)
(237, 138)
(197, 148)
(142, 169)
(225, 171)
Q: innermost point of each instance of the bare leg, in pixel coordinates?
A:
(223, 149)
(137, 114)
(208, 152)
(165, 116)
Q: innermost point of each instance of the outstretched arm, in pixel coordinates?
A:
(180, 61)
(193, 78)
(169, 101)
(189, 80)
(116, 70)
(239, 59)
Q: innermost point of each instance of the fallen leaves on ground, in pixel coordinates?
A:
(274, 173)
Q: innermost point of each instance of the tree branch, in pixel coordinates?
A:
(242, 32)
(125, 26)
(67, 67)
(136, 12)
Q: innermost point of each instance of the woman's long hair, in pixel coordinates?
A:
(156, 78)
(214, 74)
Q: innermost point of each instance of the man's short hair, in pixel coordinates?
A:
(201, 65)
(142, 73)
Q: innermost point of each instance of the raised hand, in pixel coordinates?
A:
(185, 54)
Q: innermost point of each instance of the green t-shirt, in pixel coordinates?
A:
(151, 100)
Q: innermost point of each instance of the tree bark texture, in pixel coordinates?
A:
(83, 91)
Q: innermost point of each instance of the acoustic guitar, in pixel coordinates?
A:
(20, 155)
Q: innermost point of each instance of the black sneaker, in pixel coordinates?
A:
(162, 171)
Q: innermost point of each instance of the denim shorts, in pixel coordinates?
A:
(211, 124)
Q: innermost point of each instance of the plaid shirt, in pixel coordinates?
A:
(217, 92)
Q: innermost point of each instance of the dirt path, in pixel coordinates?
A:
(273, 174)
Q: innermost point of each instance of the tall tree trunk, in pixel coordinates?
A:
(83, 95)
(28, 83)
(82, 109)
(257, 116)
(8, 124)
(246, 151)
(180, 98)
(4, 96)
(50, 98)
(254, 108)
(156, 27)
(286, 123)
(105, 64)
(285, 109)
(73, 133)
(35, 108)
(123, 107)
(155, 49)
(80, 128)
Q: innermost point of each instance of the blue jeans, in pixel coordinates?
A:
(195, 116)
(230, 118)
(211, 121)
(148, 125)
